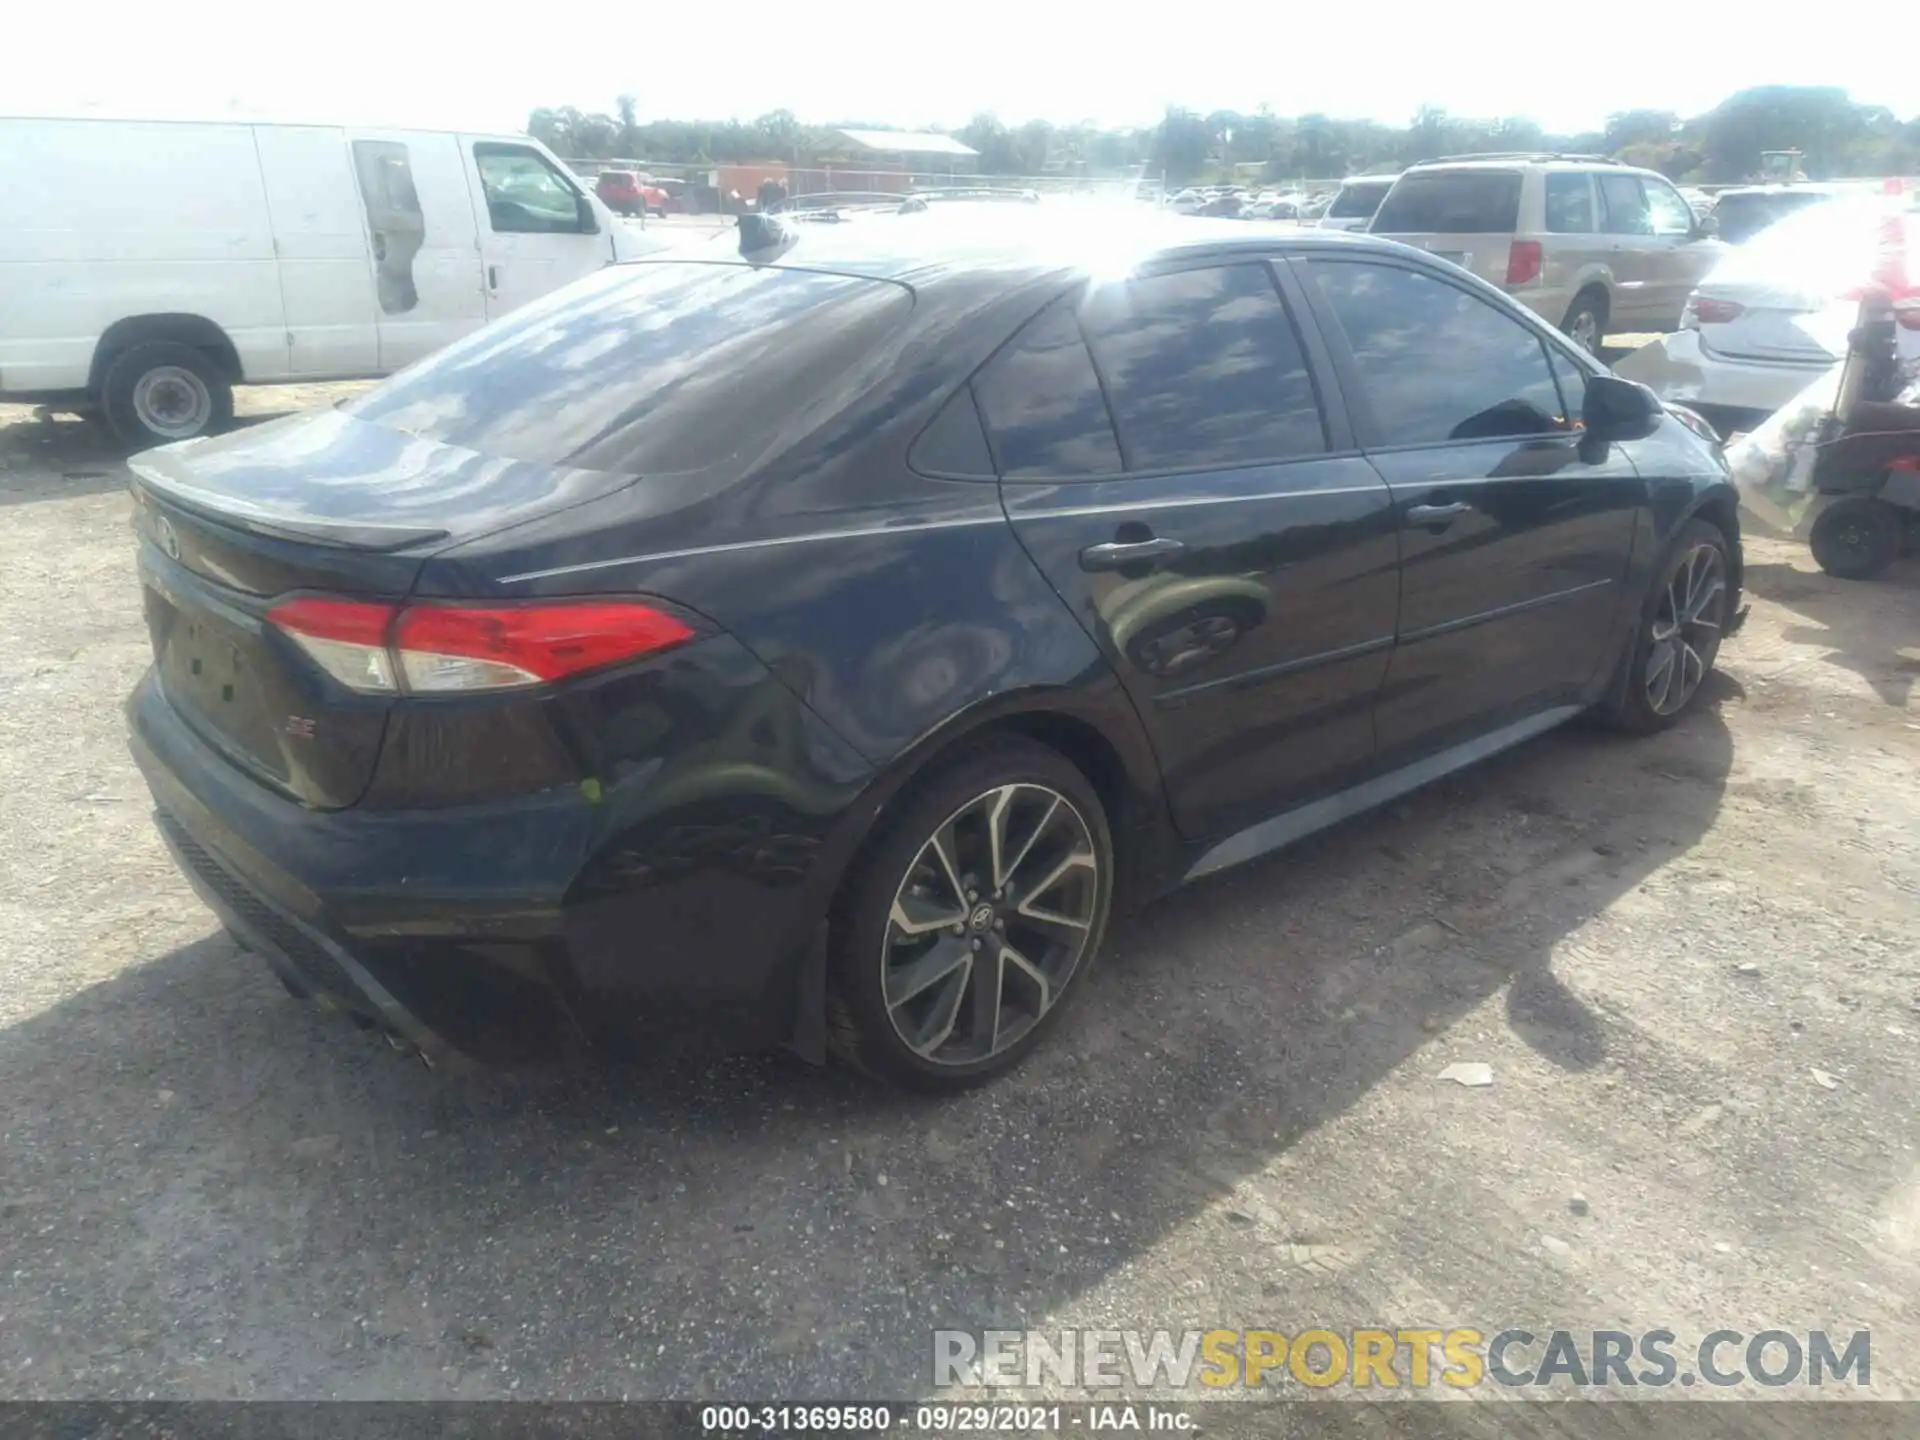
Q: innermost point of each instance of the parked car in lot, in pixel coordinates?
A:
(774, 646)
(1740, 214)
(1774, 315)
(149, 267)
(1354, 205)
(1586, 244)
(627, 193)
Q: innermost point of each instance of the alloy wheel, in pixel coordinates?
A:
(1686, 629)
(172, 401)
(1586, 332)
(993, 918)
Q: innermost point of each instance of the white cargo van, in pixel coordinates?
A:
(147, 267)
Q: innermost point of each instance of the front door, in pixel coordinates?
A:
(1515, 532)
(426, 270)
(537, 231)
(1167, 463)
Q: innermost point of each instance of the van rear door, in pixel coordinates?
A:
(426, 264)
(1466, 215)
(538, 230)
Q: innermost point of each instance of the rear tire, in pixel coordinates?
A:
(162, 391)
(1677, 639)
(967, 924)
(1857, 538)
(1586, 321)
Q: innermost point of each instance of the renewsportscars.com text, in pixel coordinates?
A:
(1400, 1358)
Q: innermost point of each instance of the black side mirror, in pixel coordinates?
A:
(589, 223)
(1619, 409)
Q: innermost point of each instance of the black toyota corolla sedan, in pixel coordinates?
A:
(815, 638)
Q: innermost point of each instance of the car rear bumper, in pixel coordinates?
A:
(1678, 367)
(494, 932)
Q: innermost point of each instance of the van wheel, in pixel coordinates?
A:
(971, 920)
(164, 391)
(1586, 322)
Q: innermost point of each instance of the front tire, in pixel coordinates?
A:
(969, 921)
(1857, 538)
(160, 392)
(1678, 637)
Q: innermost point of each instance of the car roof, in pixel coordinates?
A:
(1526, 162)
(961, 239)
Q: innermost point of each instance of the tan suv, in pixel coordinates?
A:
(1586, 243)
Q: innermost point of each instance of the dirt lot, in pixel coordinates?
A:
(207, 1189)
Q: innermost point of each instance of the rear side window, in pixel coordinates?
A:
(1451, 202)
(954, 444)
(1356, 201)
(1569, 204)
(1436, 363)
(648, 368)
(1623, 206)
(1203, 369)
(1042, 404)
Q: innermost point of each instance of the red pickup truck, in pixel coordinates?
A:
(629, 194)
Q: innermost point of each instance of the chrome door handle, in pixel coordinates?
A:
(1437, 515)
(1119, 554)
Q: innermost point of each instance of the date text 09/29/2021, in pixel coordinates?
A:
(941, 1418)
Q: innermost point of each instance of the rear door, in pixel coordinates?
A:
(537, 231)
(1467, 216)
(1514, 534)
(1633, 251)
(1167, 460)
(419, 221)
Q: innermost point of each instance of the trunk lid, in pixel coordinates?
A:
(319, 503)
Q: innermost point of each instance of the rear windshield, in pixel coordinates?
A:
(647, 368)
(1741, 217)
(1451, 202)
(1357, 201)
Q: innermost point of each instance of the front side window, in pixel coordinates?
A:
(1623, 206)
(1569, 203)
(1435, 363)
(1669, 213)
(526, 195)
(1042, 404)
(1203, 369)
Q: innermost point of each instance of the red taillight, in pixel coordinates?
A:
(438, 649)
(450, 647)
(1709, 311)
(1523, 262)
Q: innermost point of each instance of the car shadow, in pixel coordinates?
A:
(1862, 625)
(228, 1162)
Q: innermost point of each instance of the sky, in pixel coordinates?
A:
(485, 66)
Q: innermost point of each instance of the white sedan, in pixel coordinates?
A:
(1773, 315)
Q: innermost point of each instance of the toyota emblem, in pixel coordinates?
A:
(169, 539)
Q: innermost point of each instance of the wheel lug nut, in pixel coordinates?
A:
(998, 923)
(974, 946)
(959, 929)
(972, 895)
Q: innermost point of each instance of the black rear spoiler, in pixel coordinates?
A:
(154, 476)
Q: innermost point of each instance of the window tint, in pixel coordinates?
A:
(1203, 369)
(1043, 406)
(954, 444)
(1670, 214)
(1451, 202)
(526, 195)
(646, 369)
(1569, 203)
(1623, 206)
(1436, 363)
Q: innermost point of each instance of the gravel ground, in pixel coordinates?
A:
(210, 1190)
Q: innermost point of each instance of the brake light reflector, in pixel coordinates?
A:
(346, 638)
(1523, 262)
(438, 649)
(1707, 310)
(449, 647)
